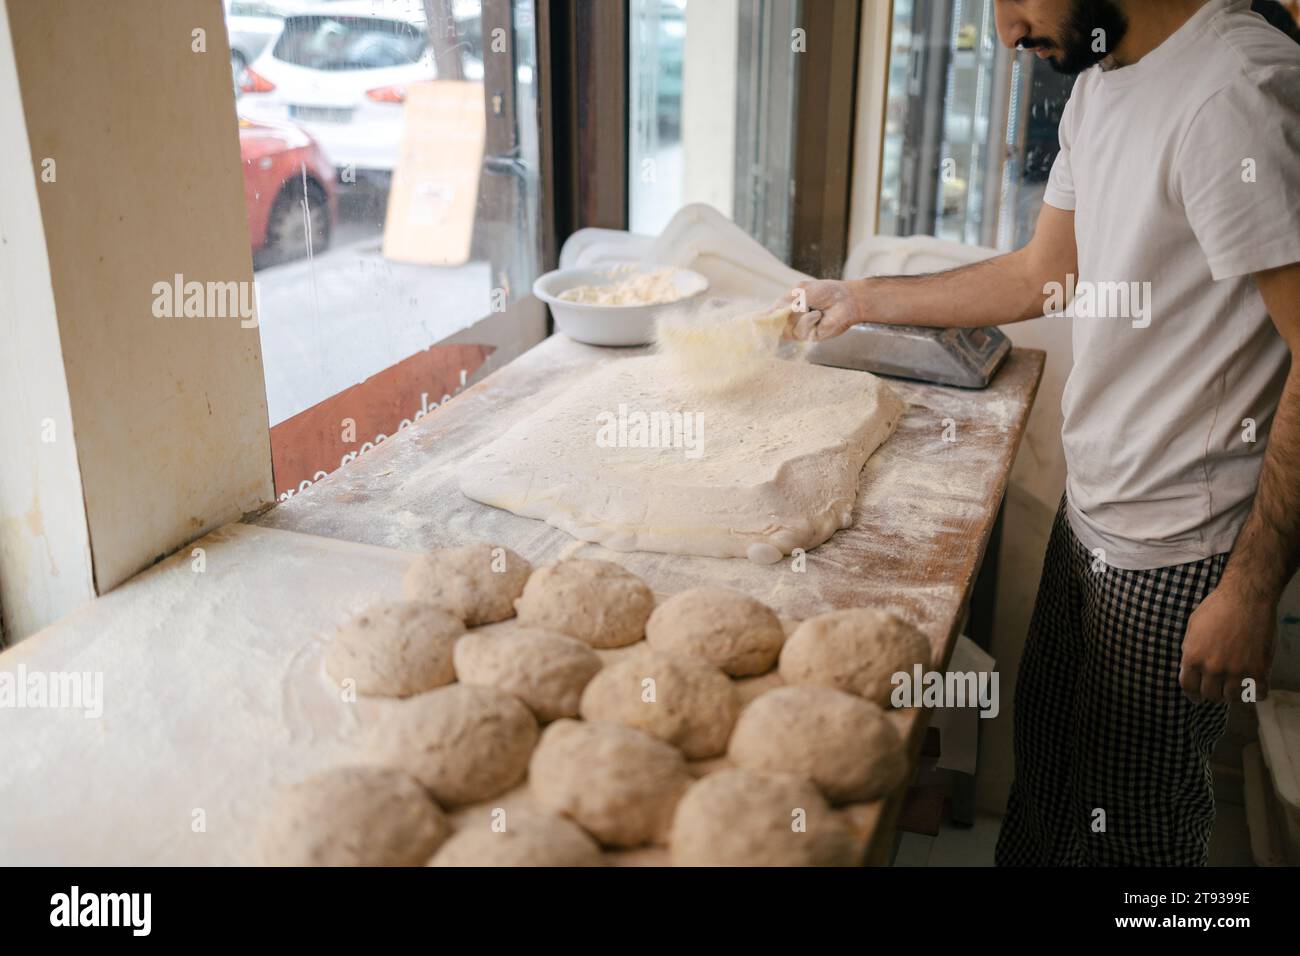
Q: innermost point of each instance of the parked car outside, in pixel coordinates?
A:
(340, 72)
(283, 166)
(251, 25)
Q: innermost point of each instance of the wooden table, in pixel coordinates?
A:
(927, 503)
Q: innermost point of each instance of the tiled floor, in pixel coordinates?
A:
(973, 846)
(954, 846)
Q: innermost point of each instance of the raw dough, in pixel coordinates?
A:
(597, 602)
(544, 669)
(529, 840)
(724, 627)
(757, 472)
(395, 650)
(844, 744)
(354, 816)
(619, 784)
(478, 582)
(694, 705)
(463, 743)
(857, 650)
(739, 817)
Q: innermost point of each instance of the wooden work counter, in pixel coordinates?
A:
(926, 505)
(212, 698)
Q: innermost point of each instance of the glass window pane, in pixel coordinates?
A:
(656, 52)
(970, 128)
(711, 99)
(391, 178)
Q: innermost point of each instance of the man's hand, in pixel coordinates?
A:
(831, 307)
(1231, 637)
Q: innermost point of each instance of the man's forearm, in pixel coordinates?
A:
(992, 292)
(1003, 289)
(1267, 552)
(1009, 288)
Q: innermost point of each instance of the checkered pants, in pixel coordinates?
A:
(1112, 761)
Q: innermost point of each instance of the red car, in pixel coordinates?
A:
(282, 163)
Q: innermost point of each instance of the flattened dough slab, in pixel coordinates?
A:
(777, 467)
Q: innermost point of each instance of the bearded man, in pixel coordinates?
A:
(1178, 181)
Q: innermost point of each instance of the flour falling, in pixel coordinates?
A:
(724, 345)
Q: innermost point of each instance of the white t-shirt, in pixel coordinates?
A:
(1183, 171)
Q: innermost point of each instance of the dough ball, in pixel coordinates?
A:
(354, 816)
(395, 650)
(597, 602)
(724, 627)
(856, 651)
(546, 670)
(844, 744)
(690, 704)
(533, 840)
(463, 743)
(738, 817)
(619, 784)
(478, 582)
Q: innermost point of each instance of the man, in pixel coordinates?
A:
(1173, 212)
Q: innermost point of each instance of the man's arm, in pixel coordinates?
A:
(1231, 636)
(1009, 288)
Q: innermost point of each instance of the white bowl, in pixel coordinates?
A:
(610, 324)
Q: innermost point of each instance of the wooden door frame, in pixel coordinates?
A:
(825, 111)
(586, 63)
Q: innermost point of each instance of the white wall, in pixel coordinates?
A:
(45, 568)
(168, 414)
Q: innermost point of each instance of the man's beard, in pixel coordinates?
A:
(1077, 39)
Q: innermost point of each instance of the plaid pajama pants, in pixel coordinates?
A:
(1112, 761)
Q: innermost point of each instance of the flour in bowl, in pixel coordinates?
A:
(631, 288)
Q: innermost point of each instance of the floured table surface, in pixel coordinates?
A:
(213, 701)
(212, 692)
(926, 505)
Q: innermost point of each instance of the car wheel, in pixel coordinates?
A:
(287, 233)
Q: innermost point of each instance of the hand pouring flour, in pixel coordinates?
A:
(714, 445)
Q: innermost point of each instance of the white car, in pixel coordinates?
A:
(251, 26)
(339, 70)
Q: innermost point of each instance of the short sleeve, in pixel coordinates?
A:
(1060, 181)
(1237, 175)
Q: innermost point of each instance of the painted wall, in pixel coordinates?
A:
(168, 413)
(45, 567)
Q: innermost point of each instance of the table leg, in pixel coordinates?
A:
(979, 628)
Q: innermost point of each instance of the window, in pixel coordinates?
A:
(392, 182)
(656, 52)
(970, 127)
(712, 97)
(253, 8)
(349, 43)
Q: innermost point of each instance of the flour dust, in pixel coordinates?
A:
(724, 345)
